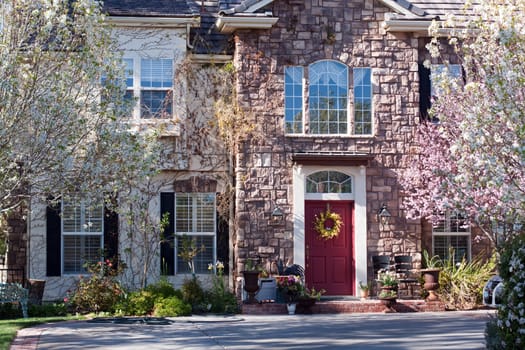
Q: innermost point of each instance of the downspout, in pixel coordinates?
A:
(188, 44)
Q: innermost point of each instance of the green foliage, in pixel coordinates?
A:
(100, 291)
(388, 279)
(461, 284)
(47, 309)
(163, 288)
(171, 306)
(156, 298)
(508, 330)
(10, 311)
(193, 294)
(138, 303)
(433, 262)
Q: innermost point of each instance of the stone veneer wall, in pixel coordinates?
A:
(16, 244)
(307, 31)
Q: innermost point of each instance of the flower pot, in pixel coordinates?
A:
(291, 308)
(305, 304)
(431, 278)
(251, 285)
(388, 303)
(365, 293)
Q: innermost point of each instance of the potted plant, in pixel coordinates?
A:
(308, 297)
(291, 288)
(251, 281)
(388, 299)
(431, 275)
(388, 281)
(365, 289)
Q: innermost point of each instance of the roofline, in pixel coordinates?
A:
(247, 6)
(394, 5)
(231, 24)
(165, 22)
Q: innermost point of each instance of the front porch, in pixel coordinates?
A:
(329, 305)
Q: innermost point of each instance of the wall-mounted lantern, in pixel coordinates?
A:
(277, 216)
(383, 216)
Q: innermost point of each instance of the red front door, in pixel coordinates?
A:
(330, 263)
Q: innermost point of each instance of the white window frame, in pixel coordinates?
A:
(449, 232)
(350, 108)
(82, 231)
(194, 233)
(137, 89)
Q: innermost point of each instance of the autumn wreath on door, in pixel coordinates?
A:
(328, 224)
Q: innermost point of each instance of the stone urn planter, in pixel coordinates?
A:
(388, 302)
(251, 285)
(388, 297)
(431, 278)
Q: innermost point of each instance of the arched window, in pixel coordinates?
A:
(326, 106)
(328, 92)
(328, 182)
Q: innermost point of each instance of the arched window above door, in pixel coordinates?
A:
(328, 182)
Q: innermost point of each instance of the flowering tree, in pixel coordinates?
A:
(62, 97)
(473, 158)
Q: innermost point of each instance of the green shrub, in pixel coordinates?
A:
(100, 291)
(163, 288)
(461, 284)
(10, 311)
(138, 303)
(171, 306)
(219, 299)
(47, 309)
(508, 331)
(193, 294)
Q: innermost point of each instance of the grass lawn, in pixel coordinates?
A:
(8, 328)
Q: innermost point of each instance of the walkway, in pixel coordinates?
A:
(429, 330)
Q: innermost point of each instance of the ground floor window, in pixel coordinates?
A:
(451, 235)
(82, 228)
(195, 229)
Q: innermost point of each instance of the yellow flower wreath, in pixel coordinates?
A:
(328, 231)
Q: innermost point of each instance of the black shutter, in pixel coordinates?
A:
(424, 91)
(167, 246)
(110, 235)
(53, 241)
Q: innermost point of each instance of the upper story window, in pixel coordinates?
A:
(328, 100)
(150, 81)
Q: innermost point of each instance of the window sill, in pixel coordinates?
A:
(330, 136)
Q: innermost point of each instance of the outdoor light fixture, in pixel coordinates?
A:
(383, 215)
(277, 215)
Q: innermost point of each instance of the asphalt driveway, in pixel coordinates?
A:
(424, 330)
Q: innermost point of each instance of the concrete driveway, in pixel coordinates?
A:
(425, 330)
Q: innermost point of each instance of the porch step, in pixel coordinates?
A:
(345, 306)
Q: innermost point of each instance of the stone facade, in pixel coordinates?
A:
(349, 32)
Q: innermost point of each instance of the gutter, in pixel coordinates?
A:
(162, 22)
(230, 24)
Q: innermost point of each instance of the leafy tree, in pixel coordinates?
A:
(62, 96)
(473, 158)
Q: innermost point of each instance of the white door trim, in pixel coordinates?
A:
(358, 195)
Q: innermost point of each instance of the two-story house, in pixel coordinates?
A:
(335, 90)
